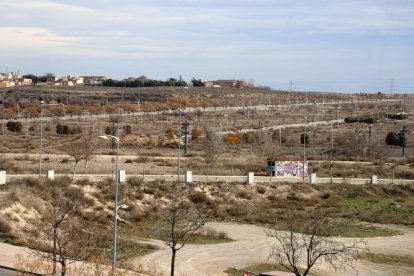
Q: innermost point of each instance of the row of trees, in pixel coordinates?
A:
(142, 83)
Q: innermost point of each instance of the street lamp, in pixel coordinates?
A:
(122, 206)
(41, 138)
(304, 152)
(116, 207)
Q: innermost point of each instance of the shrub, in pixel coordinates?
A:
(244, 194)
(128, 129)
(65, 160)
(14, 126)
(261, 189)
(361, 119)
(108, 130)
(76, 130)
(248, 137)
(304, 138)
(136, 214)
(5, 229)
(394, 139)
(62, 129)
(199, 197)
(196, 134)
(398, 116)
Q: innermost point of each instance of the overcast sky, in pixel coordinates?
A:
(326, 45)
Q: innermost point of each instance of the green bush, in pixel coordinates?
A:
(398, 116)
(14, 126)
(394, 139)
(304, 138)
(361, 119)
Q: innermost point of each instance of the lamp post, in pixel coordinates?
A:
(116, 207)
(41, 138)
(304, 153)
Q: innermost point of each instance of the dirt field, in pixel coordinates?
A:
(148, 122)
(252, 246)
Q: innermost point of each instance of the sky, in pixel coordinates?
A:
(317, 45)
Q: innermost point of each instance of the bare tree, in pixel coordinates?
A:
(144, 159)
(58, 235)
(89, 140)
(330, 163)
(76, 150)
(301, 238)
(211, 148)
(262, 143)
(180, 222)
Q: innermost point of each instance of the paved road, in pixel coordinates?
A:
(309, 124)
(251, 246)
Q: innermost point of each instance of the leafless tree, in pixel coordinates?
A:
(89, 140)
(262, 142)
(263, 145)
(301, 237)
(76, 150)
(144, 159)
(58, 235)
(211, 147)
(180, 222)
(330, 163)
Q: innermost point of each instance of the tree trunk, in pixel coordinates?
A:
(63, 273)
(86, 165)
(174, 251)
(330, 171)
(143, 171)
(74, 169)
(54, 251)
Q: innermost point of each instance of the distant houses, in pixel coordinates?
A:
(13, 79)
(16, 79)
(226, 83)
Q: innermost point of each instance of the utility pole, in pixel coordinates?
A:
(41, 137)
(304, 152)
(332, 127)
(403, 131)
(369, 141)
(186, 132)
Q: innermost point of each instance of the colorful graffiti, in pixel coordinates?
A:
(290, 168)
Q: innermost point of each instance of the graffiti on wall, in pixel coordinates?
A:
(290, 168)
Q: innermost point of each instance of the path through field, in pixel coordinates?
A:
(251, 246)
